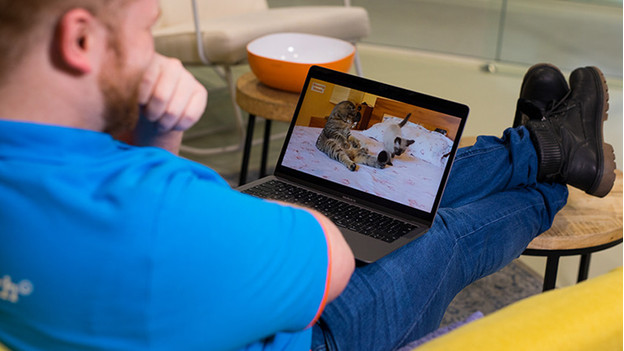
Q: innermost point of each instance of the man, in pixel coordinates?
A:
(111, 246)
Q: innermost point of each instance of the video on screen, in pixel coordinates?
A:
(381, 146)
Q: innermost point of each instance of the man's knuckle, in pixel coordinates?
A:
(175, 62)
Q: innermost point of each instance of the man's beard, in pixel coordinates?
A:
(120, 91)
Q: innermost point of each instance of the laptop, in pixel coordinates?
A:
(379, 204)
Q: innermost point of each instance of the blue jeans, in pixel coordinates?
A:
(492, 208)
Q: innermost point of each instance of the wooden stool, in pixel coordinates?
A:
(271, 104)
(586, 224)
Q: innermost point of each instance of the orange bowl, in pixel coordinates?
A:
(282, 60)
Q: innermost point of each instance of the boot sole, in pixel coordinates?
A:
(606, 173)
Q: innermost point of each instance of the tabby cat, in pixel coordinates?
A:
(337, 142)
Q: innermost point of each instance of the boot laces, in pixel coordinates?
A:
(559, 107)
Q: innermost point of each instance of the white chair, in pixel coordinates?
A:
(216, 33)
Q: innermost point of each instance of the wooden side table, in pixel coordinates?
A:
(587, 224)
(271, 104)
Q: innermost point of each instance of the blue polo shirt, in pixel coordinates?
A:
(105, 246)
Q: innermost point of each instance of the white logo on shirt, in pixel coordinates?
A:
(11, 292)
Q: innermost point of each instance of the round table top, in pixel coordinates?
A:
(258, 99)
(585, 221)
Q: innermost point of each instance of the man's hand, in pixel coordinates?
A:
(171, 100)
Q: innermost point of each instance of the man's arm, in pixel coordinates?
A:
(171, 100)
(341, 257)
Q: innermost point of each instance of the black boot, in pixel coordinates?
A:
(569, 140)
(542, 87)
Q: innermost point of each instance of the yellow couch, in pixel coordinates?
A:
(586, 316)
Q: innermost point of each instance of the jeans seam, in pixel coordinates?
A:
(498, 219)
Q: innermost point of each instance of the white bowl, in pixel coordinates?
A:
(282, 60)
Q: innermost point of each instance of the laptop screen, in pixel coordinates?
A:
(399, 147)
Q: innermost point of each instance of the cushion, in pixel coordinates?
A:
(176, 11)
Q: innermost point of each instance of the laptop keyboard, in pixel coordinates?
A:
(341, 213)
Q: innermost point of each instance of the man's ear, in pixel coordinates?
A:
(75, 40)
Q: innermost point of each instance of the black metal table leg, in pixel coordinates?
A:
(550, 277)
(265, 147)
(247, 149)
(552, 261)
(584, 267)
